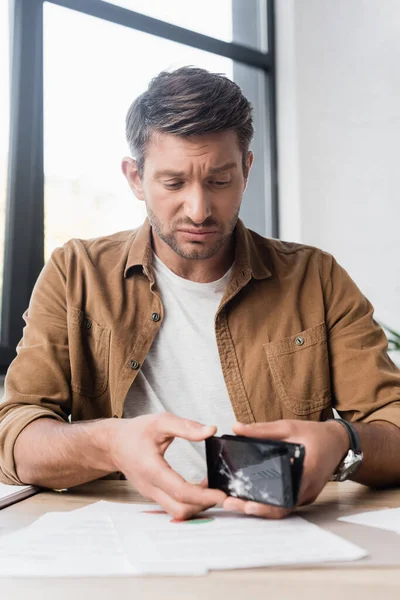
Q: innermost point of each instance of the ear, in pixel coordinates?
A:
(248, 163)
(131, 172)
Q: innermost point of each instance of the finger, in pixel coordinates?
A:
(308, 496)
(178, 510)
(168, 425)
(306, 501)
(204, 484)
(234, 504)
(275, 430)
(165, 478)
(266, 511)
(255, 509)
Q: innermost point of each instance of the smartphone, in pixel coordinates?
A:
(266, 471)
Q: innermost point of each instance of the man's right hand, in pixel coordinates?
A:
(138, 450)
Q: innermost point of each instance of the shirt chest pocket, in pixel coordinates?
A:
(89, 344)
(300, 370)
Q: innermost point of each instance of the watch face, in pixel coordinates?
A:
(350, 464)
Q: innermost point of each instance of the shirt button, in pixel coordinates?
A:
(134, 364)
(87, 324)
(155, 317)
(299, 340)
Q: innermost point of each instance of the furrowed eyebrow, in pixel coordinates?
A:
(213, 171)
(168, 173)
(225, 167)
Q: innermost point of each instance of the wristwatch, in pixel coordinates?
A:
(353, 458)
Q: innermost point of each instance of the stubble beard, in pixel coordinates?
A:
(194, 250)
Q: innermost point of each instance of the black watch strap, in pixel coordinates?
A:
(355, 442)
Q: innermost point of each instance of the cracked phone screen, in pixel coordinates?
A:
(250, 470)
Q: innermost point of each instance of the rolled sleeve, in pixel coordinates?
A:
(13, 422)
(37, 383)
(389, 413)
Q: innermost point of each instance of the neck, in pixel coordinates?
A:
(201, 270)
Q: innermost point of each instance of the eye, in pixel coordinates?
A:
(219, 183)
(173, 186)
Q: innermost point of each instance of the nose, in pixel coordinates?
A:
(197, 204)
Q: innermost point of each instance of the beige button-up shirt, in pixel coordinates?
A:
(295, 337)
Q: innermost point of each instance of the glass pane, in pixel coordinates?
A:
(4, 128)
(87, 92)
(228, 20)
(190, 15)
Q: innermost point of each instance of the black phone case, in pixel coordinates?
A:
(265, 471)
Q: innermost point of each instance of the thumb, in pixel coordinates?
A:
(203, 483)
(275, 430)
(173, 426)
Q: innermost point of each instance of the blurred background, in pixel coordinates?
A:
(323, 77)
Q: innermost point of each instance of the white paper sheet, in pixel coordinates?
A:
(14, 493)
(8, 490)
(108, 538)
(220, 540)
(62, 544)
(388, 518)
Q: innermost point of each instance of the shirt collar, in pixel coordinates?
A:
(248, 257)
(140, 253)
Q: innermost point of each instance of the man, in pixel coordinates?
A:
(193, 318)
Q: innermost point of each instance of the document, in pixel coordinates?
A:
(387, 518)
(61, 545)
(217, 539)
(110, 539)
(9, 494)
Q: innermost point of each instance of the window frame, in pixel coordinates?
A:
(24, 231)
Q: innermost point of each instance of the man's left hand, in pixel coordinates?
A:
(325, 444)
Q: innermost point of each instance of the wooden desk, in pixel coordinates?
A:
(306, 583)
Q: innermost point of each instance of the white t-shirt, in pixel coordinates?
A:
(182, 372)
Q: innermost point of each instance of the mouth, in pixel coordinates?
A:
(198, 234)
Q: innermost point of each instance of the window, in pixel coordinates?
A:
(87, 93)
(207, 17)
(210, 17)
(4, 130)
(77, 66)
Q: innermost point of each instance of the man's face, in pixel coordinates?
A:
(193, 189)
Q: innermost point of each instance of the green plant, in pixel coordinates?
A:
(393, 338)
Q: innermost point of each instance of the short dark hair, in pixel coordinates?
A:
(188, 101)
